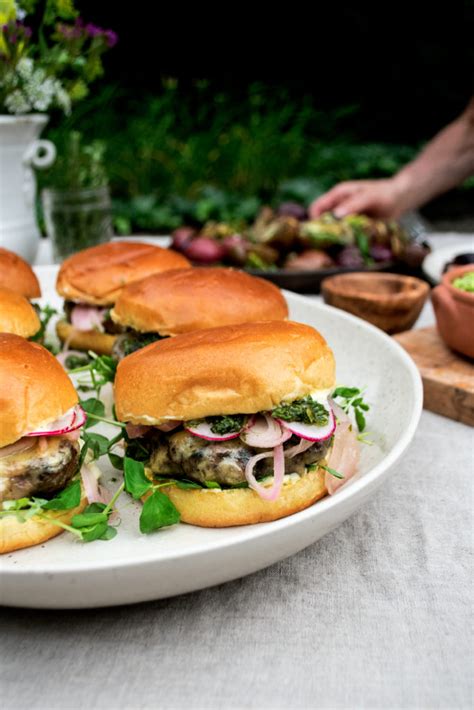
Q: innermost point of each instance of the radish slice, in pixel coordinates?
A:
(273, 492)
(311, 432)
(73, 419)
(204, 431)
(265, 433)
(18, 447)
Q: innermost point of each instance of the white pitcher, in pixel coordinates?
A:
(20, 149)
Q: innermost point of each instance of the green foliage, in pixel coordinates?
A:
(189, 153)
(79, 166)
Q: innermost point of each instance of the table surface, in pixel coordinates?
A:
(376, 614)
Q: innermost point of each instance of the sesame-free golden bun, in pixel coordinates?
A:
(183, 300)
(15, 535)
(17, 275)
(234, 369)
(34, 388)
(97, 275)
(100, 343)
(214, 508)
(17, 315)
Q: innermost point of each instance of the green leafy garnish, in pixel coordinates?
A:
(352, 397)
(133, 341)
(73, 362)
(227, 424)
(158, 511)
(68, 498)
(95, 411)
(45, 313)
(100, 370)
(305, 410)
(333, 472)
(212, 484)
(136, 483)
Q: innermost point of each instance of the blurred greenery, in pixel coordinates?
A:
(188, 153)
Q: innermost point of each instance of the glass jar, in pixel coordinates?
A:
(77, 219)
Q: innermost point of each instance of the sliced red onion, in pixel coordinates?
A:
(344, 455)
(87, 317)
(204, 431)
(300, 448)
(272, 492)
(312, 432)
(73, 419)
(169, 426)
(265, 433)
(23, 444)
(134, 431)
(91, 485)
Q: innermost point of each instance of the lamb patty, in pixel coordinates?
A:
(38, 472)
(188, 456)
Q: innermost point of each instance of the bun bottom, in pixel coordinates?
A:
(214, 508)
(15, 535)
(100, 343)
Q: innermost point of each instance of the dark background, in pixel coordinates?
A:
(410, 67)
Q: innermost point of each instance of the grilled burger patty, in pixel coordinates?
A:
(41, 470)
(184, 455)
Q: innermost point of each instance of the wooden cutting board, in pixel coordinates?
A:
(448, 379)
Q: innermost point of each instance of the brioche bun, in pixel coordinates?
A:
(183, 300)
(17, 315)
(15, 535)
(100, 343)
(234, 369)
(214, 508)
(34, 388)
(97, 275)
(17, 275)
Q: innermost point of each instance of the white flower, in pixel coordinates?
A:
(17, 103)
(25, 67)
(63, 98)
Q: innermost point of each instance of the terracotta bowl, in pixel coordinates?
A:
(389, 301)
(454, 311)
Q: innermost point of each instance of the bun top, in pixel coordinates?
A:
(17, 275)
(97, 275)
(17, 315)
(34, 388)
(234, 369)
(184, 300)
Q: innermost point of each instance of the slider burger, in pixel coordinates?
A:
(40, 424)
(239, 418)
(17, 275)
(91, 281)
(17, 315)
(183, 300)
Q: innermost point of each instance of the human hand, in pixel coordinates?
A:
(376, 198)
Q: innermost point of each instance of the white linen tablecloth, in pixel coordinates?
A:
(377, 614)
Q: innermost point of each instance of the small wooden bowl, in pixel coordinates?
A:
(389, 301)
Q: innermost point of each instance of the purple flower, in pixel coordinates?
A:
(93, 30)
(111, 38)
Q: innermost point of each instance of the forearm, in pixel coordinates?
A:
(445, 162)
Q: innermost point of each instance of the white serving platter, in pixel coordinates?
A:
(134, 568)
(434, 263)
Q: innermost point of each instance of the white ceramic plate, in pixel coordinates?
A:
(135, 568)
(434, 263)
